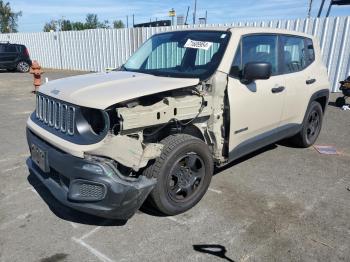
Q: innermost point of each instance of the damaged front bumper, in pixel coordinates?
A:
(89, 186)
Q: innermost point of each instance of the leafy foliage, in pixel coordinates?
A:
(91, 22)
(8, 18)
(118, 24)
(50, 26)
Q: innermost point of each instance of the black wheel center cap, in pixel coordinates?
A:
(185, 177)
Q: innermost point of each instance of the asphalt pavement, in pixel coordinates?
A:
(278, 204)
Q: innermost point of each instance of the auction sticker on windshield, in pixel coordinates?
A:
(198, 44)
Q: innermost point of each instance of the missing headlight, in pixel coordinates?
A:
(96, 120)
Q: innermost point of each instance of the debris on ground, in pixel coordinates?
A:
(326, 150)
(346, 107)
(321, 242)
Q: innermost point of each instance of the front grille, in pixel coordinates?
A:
(55, 114)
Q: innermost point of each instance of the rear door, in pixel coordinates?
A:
(296, 65)
(256, 108)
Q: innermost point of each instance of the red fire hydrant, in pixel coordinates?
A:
(35, 69)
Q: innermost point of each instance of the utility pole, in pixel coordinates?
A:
(127, 21)
(310, 8)
(188, 9)
(206, 17)
(321, 8)
(194, 12)
(329, 8)
(133, 20)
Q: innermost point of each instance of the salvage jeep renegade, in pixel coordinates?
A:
(185, 102)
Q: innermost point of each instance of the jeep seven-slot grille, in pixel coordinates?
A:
(55, 114)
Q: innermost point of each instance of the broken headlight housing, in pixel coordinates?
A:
(92, 124)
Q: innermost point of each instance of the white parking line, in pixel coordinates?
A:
(20, 191)
(90, 232)
(176, 221)
(22, 113)
(73, 225)
(23, 98)
(215, 190)
(13, 168)
(98, 254)
(13, 158)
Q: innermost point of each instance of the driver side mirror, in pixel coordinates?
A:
(255, 71)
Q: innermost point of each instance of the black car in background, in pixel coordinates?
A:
(14, 57)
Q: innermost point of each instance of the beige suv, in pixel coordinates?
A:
(186, 102)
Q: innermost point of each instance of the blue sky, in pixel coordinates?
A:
(36, 13)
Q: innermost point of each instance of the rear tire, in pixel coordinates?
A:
(183, 172)
(311, 127)
(340, 102)
(23, 67)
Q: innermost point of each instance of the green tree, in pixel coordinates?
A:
(105, 24)
(77, 26)
(118, 24)
(66, 25)
(91, 21)
(50, 26)
(8, 18)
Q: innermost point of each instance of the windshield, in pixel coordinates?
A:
(194, 54)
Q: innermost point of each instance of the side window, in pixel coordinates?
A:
(294, 54)
(11, 49)
(8, 49)
(260, 48)
(256, 48)
(310, 50)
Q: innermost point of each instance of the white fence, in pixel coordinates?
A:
(95, 50)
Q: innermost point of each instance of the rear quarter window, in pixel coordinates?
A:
(310, 51)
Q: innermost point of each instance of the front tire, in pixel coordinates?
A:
(311, 126)
(23, 67)
(183, 172)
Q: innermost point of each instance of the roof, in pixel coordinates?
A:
(246, 30)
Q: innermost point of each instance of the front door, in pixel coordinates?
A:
(256, 108)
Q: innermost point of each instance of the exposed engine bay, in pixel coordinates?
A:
(137, 126)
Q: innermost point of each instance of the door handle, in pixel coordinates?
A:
(277, 89)
(310, 81)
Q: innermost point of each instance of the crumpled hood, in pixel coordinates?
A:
(101, 90)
